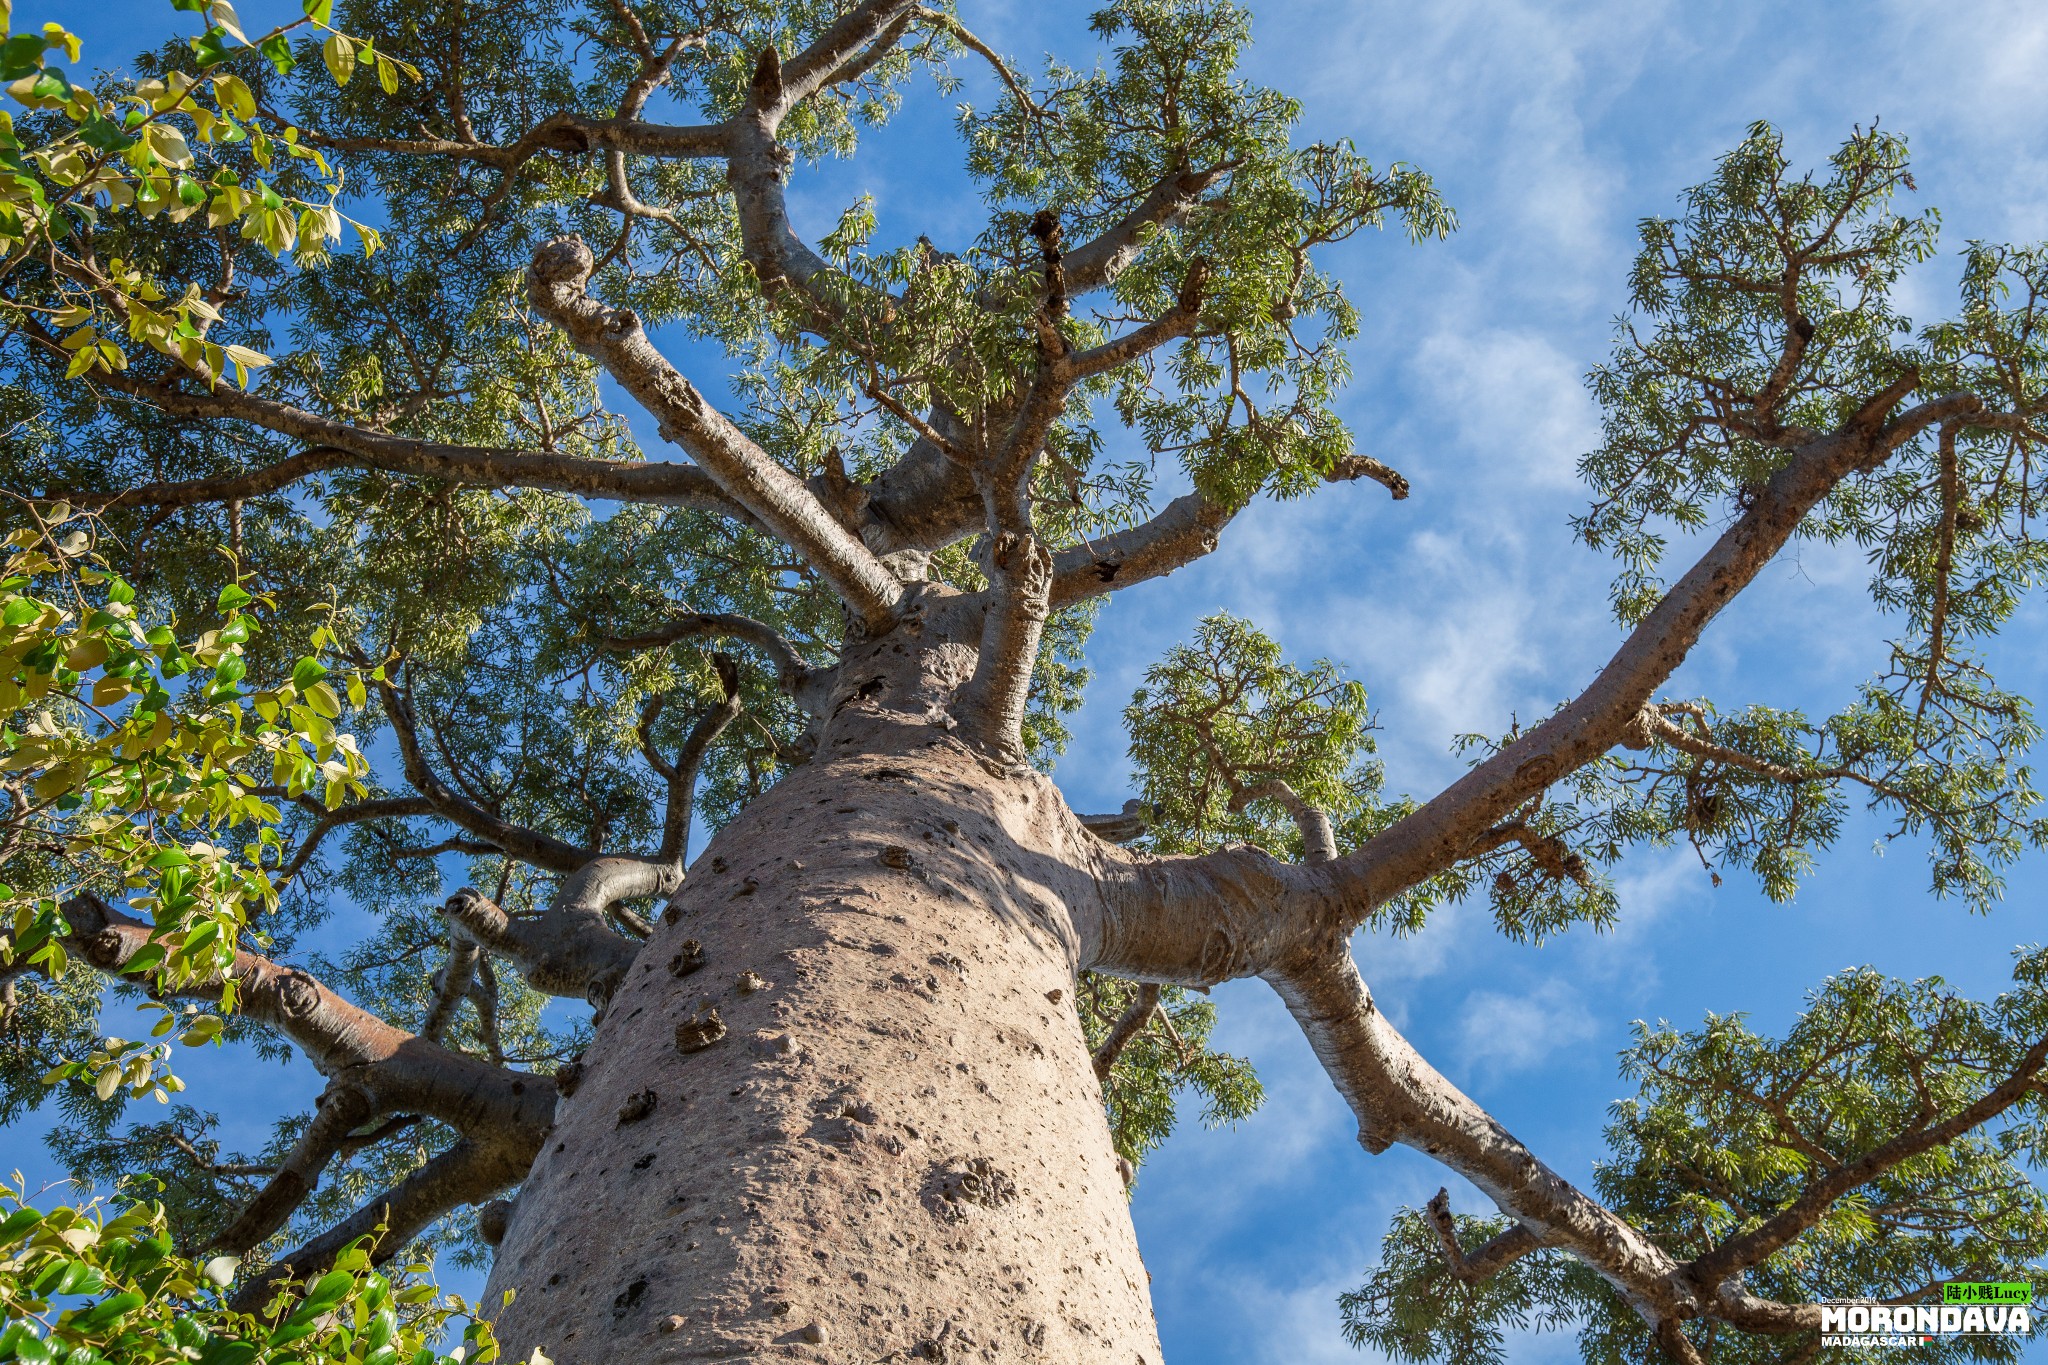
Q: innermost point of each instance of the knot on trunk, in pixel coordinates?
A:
(563, 263)
(298, 995)
(976, 1182)
(767, 82)
(103, 950)
(1195, 287)
(492, 1220)
(703, 1028)
(637, 1107)
(598, 991)
(1022, 559)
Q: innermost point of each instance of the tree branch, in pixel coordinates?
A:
(965, 36)
(791, 670)
(399, 1071)
(529, 846)
(568, 133)
(756, 162)
(1776, 1232)
(1121, 828)
(1600, 717)
(1129, 1025)
(993, 701)
(777, 498)
(1318, 839)
(1488, 1260)
(1176, 322)
(1256, 910)
(844, 42)
(1551, 854)
(1399, 1097)
(1018, 599)
(682, 774)
(338, 445)
(470, 1172)
(232, 1170)
(341, 1109)
(1654, 725)
(380, 808)
(925, 501)
(569, 950)
(450, 985)
(1187, 528)
(1944, 566)
(1096, 263)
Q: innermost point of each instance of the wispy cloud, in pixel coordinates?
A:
(1502, 1033)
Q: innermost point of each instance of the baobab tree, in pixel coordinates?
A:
(865, 1078)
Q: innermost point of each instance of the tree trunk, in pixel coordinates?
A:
(866, 1128)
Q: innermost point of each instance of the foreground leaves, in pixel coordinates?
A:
(88, 1286)
(142, 760)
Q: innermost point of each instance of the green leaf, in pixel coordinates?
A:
(17, 1224)
(279, 50)
(107, 1311)
(27, 1347)
(211, 48)
(340, 55)
(80, 1277)
(327, 1291)
(147, 958)
(320, 696)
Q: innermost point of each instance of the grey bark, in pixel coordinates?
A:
(897, 1148)
(839, 1105)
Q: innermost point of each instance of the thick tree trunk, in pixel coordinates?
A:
(866, 1128)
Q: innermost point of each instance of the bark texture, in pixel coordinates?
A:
(842, 1108)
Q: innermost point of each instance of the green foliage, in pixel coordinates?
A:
(142, 758)
(1168, 1058)
(1729, 1128)
(89, 1286)
(1705, 404)
(1728, 1125)
(1411, 1308)
(1221, 716)
(1246, 403)
(1221, 720)
(142, 150)
(1763, 319)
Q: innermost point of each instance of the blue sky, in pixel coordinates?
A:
(1553, 128)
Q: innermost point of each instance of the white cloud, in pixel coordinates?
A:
(1389, 960)
(1500, 1034)
(1515, 399)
